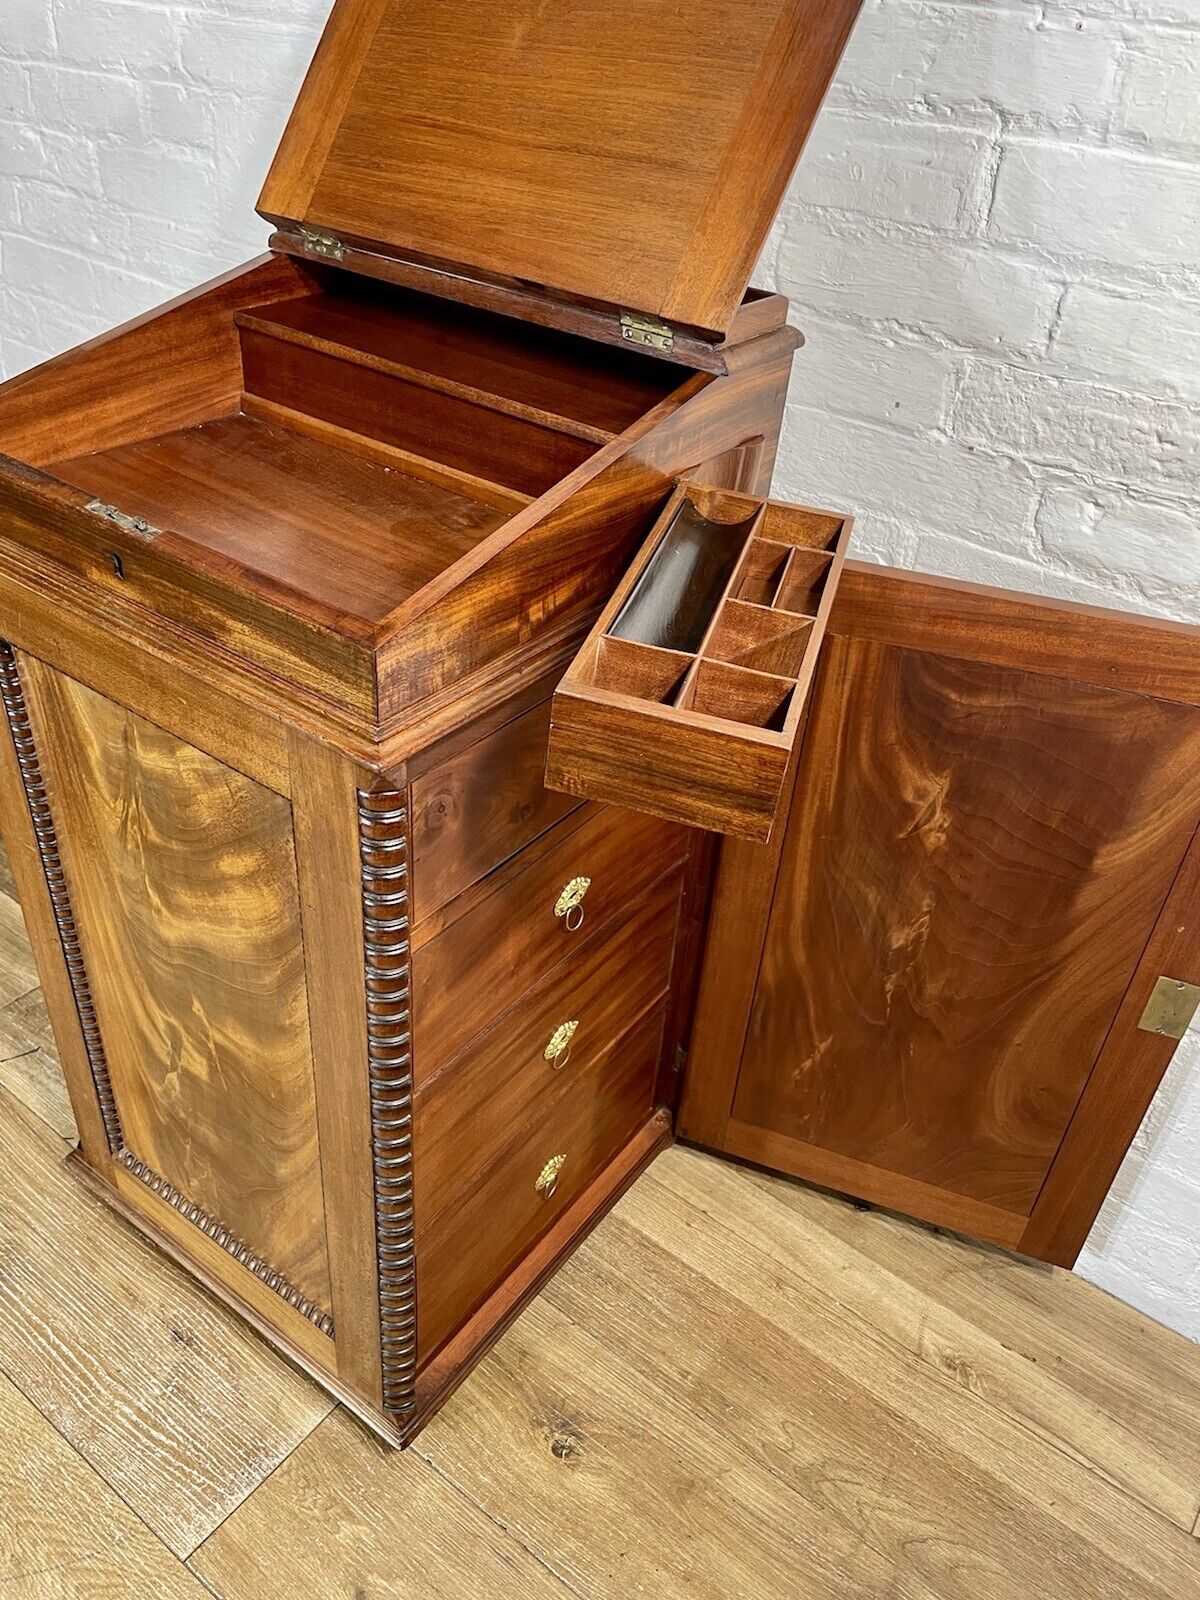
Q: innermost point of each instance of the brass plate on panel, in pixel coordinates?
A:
(1170, 1008)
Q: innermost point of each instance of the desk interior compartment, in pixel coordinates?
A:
(688, 696)
(327, 442)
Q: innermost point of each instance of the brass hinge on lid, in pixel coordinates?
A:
(1170, 1008)
(321, 244)
(648, 331)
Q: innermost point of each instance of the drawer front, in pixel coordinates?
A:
(464, 1250)
(536, 1053)
(480, 965)
(688, 697)
(480, 807)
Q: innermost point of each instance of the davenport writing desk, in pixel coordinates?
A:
(438, 774)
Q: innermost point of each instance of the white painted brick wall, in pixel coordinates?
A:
(993, 245)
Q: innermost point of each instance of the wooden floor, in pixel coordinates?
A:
(738, 1388)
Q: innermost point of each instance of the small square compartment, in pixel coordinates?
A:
(802, 528)
(757, 637)
(761, 572)
(735, 694)
(804, 582)
(640, 670)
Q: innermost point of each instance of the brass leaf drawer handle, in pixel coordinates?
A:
(547, 1178)
(558, 1047)
(569, 905)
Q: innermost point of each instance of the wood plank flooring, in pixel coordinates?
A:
(738, 1387)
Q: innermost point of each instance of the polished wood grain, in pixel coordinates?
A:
(385, 455)
(1062, 638)
(445, 1371)
(306, 516)
(704, 771)
(183, 878)
(329, 880)
(961, 632)
(1127, 1072)
(373, 519)
(553, 567)
(480, 807)
(544, 575)
(523, 588)
(518, 452)
(322, 102)
(445, 499)
(504, 1075)
(27, 854)
(172, 688)
(503, 364)
(473, 1238)
(173, 367)
(232, 624)
(482, 963)
(986, 851)
(535, 145)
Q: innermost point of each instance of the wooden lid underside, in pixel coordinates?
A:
(628, 153)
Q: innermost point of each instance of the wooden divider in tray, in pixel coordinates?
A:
(688, 696)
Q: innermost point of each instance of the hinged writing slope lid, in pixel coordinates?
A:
(630, 153)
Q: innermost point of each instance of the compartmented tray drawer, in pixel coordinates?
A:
(688, 696)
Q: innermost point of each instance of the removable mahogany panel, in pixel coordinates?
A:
(182, 875)
(968, 883)
(688, 696)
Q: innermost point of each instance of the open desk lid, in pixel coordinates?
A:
(622, 153)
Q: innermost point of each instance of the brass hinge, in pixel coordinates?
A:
(138, 525)
(1170, 1008)
(322, 244)
(648, 331)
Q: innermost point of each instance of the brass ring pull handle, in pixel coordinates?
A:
(547, 1178)
(569, 905)
(558, 1047)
